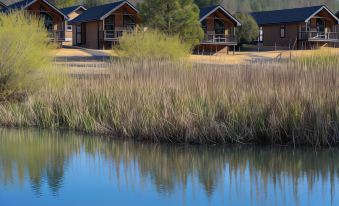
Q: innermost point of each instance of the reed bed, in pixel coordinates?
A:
(286, 103)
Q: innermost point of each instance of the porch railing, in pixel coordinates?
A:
(219, 38)
(318, 36)
(56, 36)
(114, 35)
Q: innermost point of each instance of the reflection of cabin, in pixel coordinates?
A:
(219, 29)
(101, 26)
(53, 18)
(72, 12)
(303, 28)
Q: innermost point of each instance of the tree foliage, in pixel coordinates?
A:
(249, 30)
(204, 3)
(173, 17)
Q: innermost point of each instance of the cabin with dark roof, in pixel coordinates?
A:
(71, 12)
(52, 17)
(219, 29)
(100, 27)
(298, 28)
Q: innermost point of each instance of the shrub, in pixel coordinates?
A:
(24, 54)
(249, 30)
(152, 44)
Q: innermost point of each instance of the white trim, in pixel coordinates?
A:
(32, 2)
(319, 10)
(117, 7)
(224, 10)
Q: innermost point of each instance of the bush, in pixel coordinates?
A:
(249, 30)
(152, 44)
(24, 54)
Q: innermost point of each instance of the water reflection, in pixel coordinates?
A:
(216, 175)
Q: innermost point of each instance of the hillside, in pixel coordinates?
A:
(231, 5)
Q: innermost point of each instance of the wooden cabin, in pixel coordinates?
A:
(101, 27)
(53, 18)
(71, 12)
(299, 28)
(219, 30)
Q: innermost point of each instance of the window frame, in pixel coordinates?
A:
(69, 28)
(261, 34)
(282, 31)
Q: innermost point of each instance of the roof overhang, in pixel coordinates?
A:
(225, 11)
(3, 5)
(319, 10)
(49, 4)
(117, 7)
(79, 7)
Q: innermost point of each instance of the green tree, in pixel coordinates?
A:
(173, 17)
(204, 3)
(249, 30)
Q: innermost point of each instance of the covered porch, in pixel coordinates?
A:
(219, 29)
(115, 25)
(321, 27)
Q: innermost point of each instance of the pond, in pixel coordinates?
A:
(56, 168)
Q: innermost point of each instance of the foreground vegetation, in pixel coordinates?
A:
(293, 103)
(25, 54)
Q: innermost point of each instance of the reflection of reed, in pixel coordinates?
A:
(166, 166)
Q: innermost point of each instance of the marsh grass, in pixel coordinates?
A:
(266, 103)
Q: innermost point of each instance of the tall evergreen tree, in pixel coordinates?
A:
(204, 3)
(173, 17)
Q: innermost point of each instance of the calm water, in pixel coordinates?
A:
(51, 168)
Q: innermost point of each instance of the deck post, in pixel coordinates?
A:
(233, 50)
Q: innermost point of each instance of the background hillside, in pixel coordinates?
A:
(231, 5)
(235, 5)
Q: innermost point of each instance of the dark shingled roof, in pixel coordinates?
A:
(22, 4)
(285, 15)
(3, 4)
(69, 10)
(337, 14)
(95, 13)
(19, 5)
(206, 10)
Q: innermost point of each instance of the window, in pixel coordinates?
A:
(69, 27)
(282, 31)
(110, 23)
(261, 34)
(204, 26)
(219, 27)
(129, 21)
(320, 25)
(48, 21)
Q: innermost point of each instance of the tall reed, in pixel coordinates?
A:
(292, 103)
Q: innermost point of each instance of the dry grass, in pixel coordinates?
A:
(269, 103)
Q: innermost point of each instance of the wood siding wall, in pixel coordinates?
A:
(71, 16)
(271, 35)
(57, 17)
